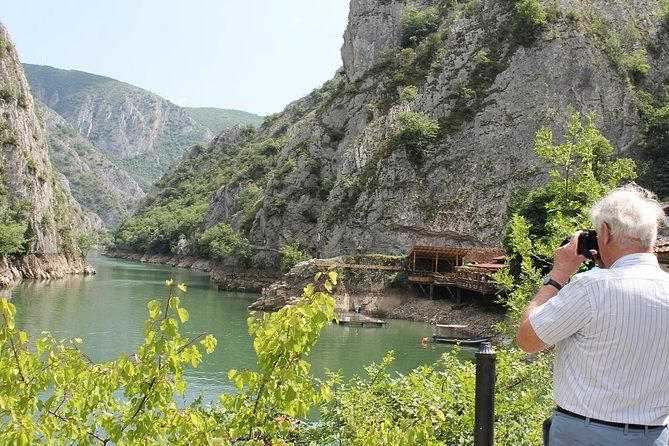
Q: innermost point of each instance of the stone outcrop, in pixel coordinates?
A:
(41, 266)
(32, 192)
(370, 292)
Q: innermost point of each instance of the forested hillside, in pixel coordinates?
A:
(424, 136)
(138, 131)
(219, 119)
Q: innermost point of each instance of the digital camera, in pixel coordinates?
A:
(587, 240)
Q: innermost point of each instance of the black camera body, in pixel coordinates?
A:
(587, 240)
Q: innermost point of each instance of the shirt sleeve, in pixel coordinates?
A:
(564, 314)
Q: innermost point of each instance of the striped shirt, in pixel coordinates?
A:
(611, 327)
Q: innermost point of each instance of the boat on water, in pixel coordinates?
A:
(457, 334)
(359, 320)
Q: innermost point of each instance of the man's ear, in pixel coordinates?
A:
(605, 236)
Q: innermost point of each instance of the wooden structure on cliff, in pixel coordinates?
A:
(446, 266)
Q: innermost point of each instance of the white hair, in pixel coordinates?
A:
(632, 214)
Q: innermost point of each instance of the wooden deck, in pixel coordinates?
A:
(328, 264)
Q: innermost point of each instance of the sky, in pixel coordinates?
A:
(251, 55)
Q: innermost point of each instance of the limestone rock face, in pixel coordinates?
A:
(342, 181)
(144, 131)
(98, 185)
(31, 187)
(374, 28)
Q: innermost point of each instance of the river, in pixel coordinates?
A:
(107, 311)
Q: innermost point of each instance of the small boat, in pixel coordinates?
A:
(457, 334)
(468, 342)
(359, 320)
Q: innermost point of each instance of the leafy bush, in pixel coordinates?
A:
(11, 236)
(635, 64)
(7, 93)
(583, 171)
(283, 387)
(418, 130)
(434, 405)
(409, 93)
(84, 241)
(664, 5)
(291, 255)
(52, 393)
(222, 242)
(417, 24)
(531, 19)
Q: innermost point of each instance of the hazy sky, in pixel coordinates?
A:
(253, 55)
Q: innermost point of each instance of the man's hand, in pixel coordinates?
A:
(566, 261)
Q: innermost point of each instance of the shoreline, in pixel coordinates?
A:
(227, 277)
(374, 299)
(41, 266)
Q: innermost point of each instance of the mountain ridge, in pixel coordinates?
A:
(139, 131)
(424, 136)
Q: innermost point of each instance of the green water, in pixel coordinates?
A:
(107, 311)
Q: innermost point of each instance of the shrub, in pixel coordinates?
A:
(84, 241)
(418, 130)
(11, 236)
(664, 5)
(417, 24)
(222, 242)
(7, 93)
(52, 393)
(635, 64)
(291, 255)
(409, 93)
(531, 19)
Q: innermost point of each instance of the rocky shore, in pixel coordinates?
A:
(41, 266)
(228, 277)
(377, 293)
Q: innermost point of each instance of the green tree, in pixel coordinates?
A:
(583, 170)
(291, 255)
(222, 242)
(531, 19)
(418, 24)
(417, 132)
(51, 392)
(283, 387)
(11, 236)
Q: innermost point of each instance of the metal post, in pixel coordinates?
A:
(484, 412)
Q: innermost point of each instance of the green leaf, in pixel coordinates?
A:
(183, 315)
(154, 309)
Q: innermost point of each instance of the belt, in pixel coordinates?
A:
(606, 423)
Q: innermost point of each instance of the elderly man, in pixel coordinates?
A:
(611, 331)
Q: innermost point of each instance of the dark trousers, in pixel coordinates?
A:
(546, 429)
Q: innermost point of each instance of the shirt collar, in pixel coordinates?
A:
(639, 258)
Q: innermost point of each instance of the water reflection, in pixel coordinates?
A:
(108, 310)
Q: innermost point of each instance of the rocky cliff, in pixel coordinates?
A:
(425, 134)
(40, 221)
(98, 185)
(138, 130)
